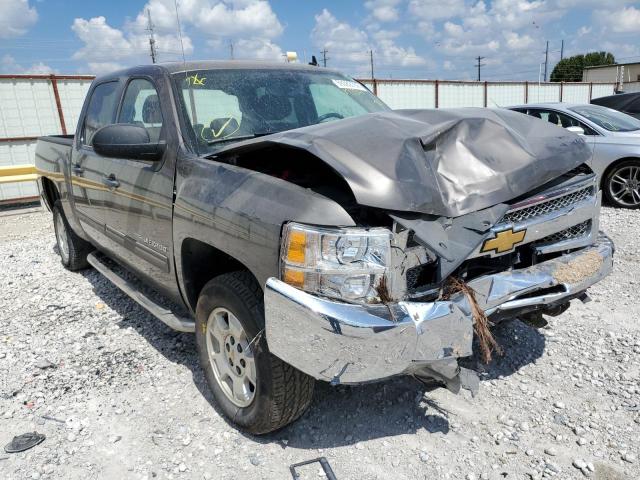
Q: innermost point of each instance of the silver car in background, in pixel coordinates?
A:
(614, 138)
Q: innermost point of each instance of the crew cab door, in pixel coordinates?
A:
(87, 167)
(139, 202)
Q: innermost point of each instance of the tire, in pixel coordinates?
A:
(621, 185)
(280, 393)
(72, 249)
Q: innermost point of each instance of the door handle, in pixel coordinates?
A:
(111, 181)
(77, 169)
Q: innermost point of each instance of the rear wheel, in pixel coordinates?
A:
(72, 249)
(254, 389)
(622, 184)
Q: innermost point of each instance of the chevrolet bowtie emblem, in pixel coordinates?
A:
(503, 241)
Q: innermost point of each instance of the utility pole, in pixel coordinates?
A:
(324, 57)
(371, 56)
(562, 50)
(546, 61)
(479, 58)
(231, 49)
(152, 40)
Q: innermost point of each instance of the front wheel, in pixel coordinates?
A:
(253, 388)
(622, 185)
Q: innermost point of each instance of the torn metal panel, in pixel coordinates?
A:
(452, 239)
(439, 162)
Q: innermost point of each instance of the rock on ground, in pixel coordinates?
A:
(120, 395)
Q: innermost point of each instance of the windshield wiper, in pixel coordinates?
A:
(239, 137)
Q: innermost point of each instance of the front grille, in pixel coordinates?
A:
(547, 207)
(571, 233)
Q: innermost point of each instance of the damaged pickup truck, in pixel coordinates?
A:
(311, 233)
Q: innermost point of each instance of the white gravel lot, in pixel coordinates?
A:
(119, 395)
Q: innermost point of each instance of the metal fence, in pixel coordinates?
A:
(35, 105)
(449, 94)
(31, 106)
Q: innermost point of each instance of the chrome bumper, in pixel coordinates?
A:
(345, 343)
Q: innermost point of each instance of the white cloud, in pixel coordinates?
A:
(255, 48)
(383, 10)
(250, 24)
(436, 9)
(518, 42)
(16, 18)
(8, 64)
(349, 46)
(626, 20)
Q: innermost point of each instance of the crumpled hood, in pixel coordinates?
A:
(445, 162)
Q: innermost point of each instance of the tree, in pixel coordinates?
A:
(570, 69)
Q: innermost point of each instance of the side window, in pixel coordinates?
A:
(142, 107)
(562, 120)
(329, 99)
(100, 111)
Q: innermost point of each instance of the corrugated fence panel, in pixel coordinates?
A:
(17, 153)
(453, 95)
(544, 93)
(407, 94)
(72, 93)
(632, 87)
(505, 94)
(602, 90)
(27, 108)
(575, 93)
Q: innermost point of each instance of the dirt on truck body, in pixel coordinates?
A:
(310, 233)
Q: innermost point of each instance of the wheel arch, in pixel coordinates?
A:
(201, 262)
(613, 165)
(50, 193)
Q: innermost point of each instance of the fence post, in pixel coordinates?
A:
(56, 95)
(561, 89)
(590, 91)
(436, 94)
(485, 94)
(526, 92)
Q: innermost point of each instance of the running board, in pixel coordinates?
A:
(180, 324)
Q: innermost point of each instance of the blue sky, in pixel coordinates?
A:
(409, 38)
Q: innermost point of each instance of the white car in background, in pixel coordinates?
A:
(614, 138)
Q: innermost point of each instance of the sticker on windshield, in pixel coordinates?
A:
(348, 85)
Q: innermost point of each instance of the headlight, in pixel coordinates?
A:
(344, 263)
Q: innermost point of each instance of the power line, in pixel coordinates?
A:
(324, 57)
(152, 40)
(546, 61)
(371, 56)
(479, 58)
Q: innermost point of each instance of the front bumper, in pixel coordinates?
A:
(346, 343)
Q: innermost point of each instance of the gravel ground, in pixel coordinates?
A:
(119, 395)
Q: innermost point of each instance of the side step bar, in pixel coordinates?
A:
(180, 324)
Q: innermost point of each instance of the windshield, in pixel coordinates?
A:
(223, 106)
(607, 118)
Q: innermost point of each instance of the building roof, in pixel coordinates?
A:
(611, 65)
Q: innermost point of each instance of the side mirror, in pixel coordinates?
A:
(125, 140)
(578, 130)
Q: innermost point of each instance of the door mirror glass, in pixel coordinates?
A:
(129, 141)
(577, 130)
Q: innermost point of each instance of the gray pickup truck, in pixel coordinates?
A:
(311, 233)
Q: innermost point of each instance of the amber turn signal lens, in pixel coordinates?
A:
(295, 278)
(297, 247)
